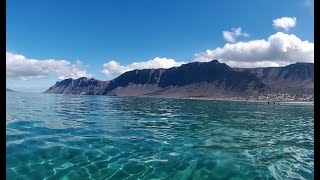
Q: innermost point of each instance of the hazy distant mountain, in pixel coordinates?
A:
(9, 90)
(295, 78)
(197, 79)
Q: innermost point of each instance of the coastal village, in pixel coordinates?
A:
(283, 97)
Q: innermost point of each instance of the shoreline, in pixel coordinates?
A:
(252, 100)
(215, 99)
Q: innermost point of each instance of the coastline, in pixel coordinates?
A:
(271, 101)
(252, 100)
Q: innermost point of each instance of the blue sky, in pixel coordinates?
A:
(126, 31)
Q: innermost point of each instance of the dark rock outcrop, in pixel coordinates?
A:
(206, 79)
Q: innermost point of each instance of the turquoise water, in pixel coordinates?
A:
(97, 137)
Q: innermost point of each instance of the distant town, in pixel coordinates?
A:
(278, 97)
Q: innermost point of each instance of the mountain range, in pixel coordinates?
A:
(197, 79)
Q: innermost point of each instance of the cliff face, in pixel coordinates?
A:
(207, 79)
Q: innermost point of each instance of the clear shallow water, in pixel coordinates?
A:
(97, 137)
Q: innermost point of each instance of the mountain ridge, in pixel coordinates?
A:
(197, 79)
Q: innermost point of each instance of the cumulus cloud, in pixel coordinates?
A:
(113, 68)
(20, 67)
(231, 36)
(278, 50)
(284, 22)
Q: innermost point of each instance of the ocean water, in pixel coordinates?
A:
(53, 137)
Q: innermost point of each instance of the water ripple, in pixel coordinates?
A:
(99, 137)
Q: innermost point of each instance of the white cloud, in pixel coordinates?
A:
(113, 68)
(20, 67)
(228, 36)
(231, 36)
(308, 3)
(284, 22)
(280, 49)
